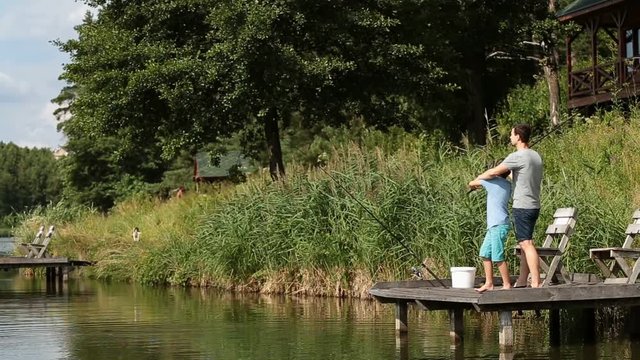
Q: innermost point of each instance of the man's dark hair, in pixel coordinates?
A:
(524, 131)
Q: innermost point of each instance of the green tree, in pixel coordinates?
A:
(151, 79)
(182, 73)
(28, 177)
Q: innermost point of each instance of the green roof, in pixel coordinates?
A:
(579, 5)
(205, 168)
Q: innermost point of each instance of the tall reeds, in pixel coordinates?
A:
(308, 235)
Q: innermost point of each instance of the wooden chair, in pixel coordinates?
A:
(620, 264)
(36, 240)
(37, 249)
(554, 246)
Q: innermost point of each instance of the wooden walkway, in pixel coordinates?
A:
(13, 262)
(587, 293)
(56, 267)
(429, 297)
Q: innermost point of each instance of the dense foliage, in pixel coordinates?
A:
(307, 235)
(152, 79)
(28, 177)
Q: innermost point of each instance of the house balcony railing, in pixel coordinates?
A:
(606, 78)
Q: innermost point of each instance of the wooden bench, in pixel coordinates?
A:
(554, 246)
(38, 247)
(620, 264)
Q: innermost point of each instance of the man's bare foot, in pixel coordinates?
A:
(484, 288)
(536, 285)
(506, 286)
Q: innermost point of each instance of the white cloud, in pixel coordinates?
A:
(12, 90)
(77, 15)
(40, 19)
(30, 66)
(46, 114)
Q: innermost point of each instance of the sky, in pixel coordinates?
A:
(30, 66)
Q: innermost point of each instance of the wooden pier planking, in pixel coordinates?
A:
(13, 262)
(552, 297)
(589, 293)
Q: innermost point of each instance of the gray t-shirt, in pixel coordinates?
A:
(526, 170)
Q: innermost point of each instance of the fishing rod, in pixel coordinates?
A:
(393, 235)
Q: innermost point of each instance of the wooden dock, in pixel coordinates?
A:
(56, 267)
(14, 262)
(588, 294)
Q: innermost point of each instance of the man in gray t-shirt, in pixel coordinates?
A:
(526, 169)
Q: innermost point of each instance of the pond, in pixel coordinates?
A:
(87, 319)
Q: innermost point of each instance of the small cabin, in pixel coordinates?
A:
(603, 58)
(206, 169)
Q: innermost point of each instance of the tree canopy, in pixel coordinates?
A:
(28, 177)
(152, 78)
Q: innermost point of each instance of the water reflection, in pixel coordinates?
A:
(93, 320)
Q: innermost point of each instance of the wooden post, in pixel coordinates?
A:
(456, 326)
(59, 279)
(401, 317)
(506, 356)
(634, 323)
(402, 346)
(592, 28)
(506, 331)
(554, 327)
(50, 280)
(457, 352)
(589, 328)
(569, 41)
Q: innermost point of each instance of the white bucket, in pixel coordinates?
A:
(463, 277)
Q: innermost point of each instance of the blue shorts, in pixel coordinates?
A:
(493, 245)
(524, 220)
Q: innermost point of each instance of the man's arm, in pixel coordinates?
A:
(493, 172)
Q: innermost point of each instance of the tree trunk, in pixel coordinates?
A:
(272, 136)
(551, 76)
(476, 123)
(550, 67)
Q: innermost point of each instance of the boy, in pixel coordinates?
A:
(492, 249)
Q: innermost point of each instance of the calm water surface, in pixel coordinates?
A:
(6, 246)
(95, 320)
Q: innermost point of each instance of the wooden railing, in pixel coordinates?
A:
(604, 78)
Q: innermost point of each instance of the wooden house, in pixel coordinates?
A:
(204, 169)
(608, 67)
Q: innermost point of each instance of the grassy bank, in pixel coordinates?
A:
(308, 236)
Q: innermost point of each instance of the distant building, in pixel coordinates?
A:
(205, 171)
(59, 153)
(595, 76)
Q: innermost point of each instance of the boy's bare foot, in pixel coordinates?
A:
(484, 288)
(506, 286)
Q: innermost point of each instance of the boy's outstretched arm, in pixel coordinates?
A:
(474, 184)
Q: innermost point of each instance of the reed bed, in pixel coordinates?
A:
(308, 235)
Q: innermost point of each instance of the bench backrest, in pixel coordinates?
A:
(39, 235)
(563, 225)
(632, 230)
